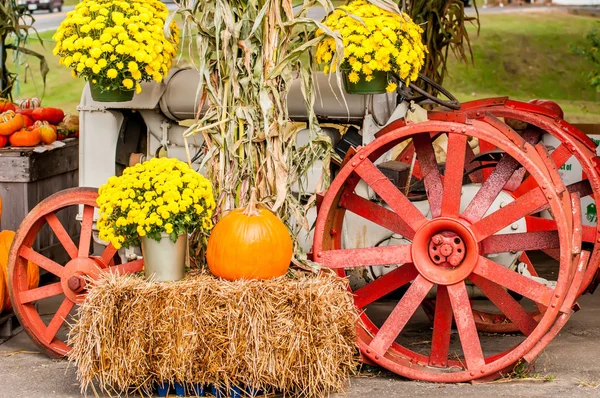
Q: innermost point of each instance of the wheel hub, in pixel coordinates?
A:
(76, 271)
(447, 249)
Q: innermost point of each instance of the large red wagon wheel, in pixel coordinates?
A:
(572, 143)
(448, 250)
(71, 275)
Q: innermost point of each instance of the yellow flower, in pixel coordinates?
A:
(128, 83)
(111, 73)
(391, 87)
(353, 77)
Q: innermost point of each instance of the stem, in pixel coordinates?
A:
(251, 209)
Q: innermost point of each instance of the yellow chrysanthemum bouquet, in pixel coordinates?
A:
(115, 45)
(158, 196)
(378, 45)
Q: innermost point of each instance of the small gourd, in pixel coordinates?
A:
(26, 137)
(249, 243)
(10, 122)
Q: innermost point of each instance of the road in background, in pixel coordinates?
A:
(45, 21)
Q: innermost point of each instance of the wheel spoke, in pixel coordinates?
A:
(505, 303)
(62, 234)
(384, 285)
(465, 323)
(58, 320)
(431, 172)
(383, 255)
(107, 255)
(521, 207)
(401, 314)
(29, 296)
(453, 176)
(42, 261)
(391, 195)
(127, 268)
(503, 243)
(85, 237)
(375, 213)
(476, 177)
(514, 281)
(559, 156)
(442, 325)
(491, 188)
(538, 224)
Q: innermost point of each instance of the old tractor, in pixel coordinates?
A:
(457, 220)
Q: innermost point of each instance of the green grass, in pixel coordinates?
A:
(62, 90)
(527, 56)
(70, 2)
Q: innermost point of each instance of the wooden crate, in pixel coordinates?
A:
(27, 178)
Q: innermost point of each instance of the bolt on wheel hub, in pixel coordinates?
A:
(447, 249)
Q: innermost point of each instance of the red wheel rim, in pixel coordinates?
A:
(71, 274)
(379, 344)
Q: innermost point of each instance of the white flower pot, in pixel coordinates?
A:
(164, 261)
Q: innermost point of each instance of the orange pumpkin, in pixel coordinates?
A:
(26, 137)
(10, 122)
(3, 141)
(3, 288)
(6, 105)
(33, 272)
(249, 243)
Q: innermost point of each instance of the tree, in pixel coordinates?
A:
(15, 27)
(445, 31)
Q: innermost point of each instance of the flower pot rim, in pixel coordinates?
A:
(162, 235)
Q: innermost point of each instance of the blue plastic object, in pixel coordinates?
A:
(179, 390)
(235, 392)
(216, 392)
(199, 390)
(162, 389)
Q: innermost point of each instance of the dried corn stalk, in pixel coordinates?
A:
(247, 53)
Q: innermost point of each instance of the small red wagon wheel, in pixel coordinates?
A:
(447, 252)
(71, 275)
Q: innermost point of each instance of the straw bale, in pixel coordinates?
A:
(291, 335)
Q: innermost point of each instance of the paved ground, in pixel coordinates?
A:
(571, 361)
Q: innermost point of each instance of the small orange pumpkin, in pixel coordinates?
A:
(3, 141)
(249, 243)
(10, 122)
(26, 137)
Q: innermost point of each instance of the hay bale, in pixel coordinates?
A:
(296, 336)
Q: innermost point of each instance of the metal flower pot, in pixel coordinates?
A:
(164, 261)
(100, 95)
(375, 86)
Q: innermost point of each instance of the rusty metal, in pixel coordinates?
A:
(72, 275)
(476, 235)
